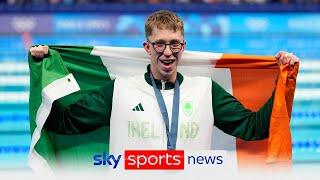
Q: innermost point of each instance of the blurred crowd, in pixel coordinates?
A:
(20, 2)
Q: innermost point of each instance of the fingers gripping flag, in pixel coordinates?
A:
(70, 72)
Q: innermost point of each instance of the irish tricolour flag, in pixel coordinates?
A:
(69, 72)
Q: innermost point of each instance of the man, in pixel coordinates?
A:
(159, 94)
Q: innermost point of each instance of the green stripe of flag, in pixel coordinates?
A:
(90, 74)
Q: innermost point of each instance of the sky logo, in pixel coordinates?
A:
(105, 159)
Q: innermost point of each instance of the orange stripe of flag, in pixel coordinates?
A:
(253, 80)
(237, 61)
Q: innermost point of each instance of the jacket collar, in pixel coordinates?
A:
(165, 85)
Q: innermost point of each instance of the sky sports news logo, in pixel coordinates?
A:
(158, 159)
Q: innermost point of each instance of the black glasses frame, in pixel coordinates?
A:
(173, 49)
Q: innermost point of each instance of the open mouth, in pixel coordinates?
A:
(167, 62)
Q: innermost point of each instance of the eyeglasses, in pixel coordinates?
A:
(175, 46)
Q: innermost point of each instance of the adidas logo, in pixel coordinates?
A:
(138, 108)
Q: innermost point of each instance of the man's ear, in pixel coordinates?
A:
(146, 47)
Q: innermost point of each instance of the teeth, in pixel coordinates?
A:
(167, 61)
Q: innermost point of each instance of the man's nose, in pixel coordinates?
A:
(167, 51)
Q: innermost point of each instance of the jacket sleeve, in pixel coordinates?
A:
(233, 118)
(87, 114)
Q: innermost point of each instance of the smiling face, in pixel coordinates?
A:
(164, 58)
(165, 44)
